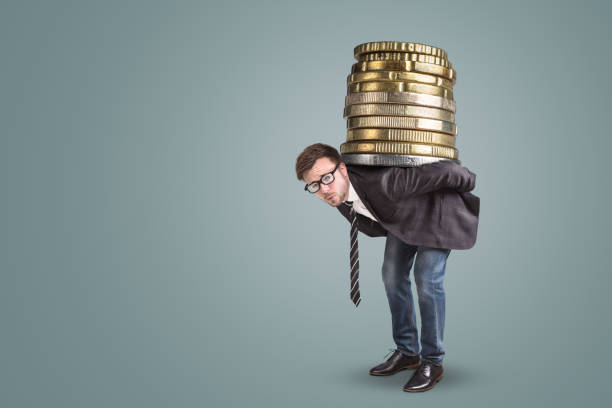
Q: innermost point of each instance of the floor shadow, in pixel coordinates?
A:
(454, 377)
(362, 377)
(458, 376)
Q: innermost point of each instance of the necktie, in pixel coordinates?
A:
(354, 257)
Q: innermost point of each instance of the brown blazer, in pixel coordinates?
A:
(428, 205)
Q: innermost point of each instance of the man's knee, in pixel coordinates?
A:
(391, 272)
(429, 288)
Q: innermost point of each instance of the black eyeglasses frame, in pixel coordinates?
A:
(321, 180)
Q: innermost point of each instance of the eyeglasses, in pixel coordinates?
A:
(327, 178)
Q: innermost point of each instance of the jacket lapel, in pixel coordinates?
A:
(357, 181)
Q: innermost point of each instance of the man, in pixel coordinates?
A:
(424, 212)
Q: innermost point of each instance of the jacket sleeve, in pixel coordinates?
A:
(405, 182)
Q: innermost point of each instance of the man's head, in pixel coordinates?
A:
(315, 164)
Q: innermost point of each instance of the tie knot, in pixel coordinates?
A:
(349, 203)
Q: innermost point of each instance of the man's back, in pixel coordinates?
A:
(429, 205)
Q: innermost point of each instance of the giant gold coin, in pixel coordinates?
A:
(406, 98)
(423, 67)
(399, 76)
(393, 160)
(400, 135)
(398, 46)
(386, 109)
(405, 122)
(396, 86)
(405, 56)
(399, 148)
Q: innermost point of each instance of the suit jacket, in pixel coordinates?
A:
(428, 205)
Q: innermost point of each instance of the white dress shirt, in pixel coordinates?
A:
(358, 204)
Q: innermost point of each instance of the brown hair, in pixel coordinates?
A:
(311, 154)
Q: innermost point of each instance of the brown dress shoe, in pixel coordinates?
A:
(397, 362)
(425, 377)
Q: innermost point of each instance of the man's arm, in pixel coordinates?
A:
(404, 182)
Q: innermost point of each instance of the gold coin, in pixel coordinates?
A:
(396, 86)
(399, 148)
(401, 122)
(399, 46)
(404, 56)
(405, 98)
(423, 67)
(400, 135)
(399, 76)
(386, 109)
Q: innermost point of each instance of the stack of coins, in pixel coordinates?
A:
(399, 106)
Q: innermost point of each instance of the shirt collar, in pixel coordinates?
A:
(352, 195)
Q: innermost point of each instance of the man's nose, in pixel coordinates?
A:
(325, 187)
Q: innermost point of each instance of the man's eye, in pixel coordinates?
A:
(327, 178)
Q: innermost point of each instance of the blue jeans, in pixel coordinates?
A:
(429, 268)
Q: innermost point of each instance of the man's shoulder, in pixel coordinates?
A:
(368, 171)
(374, 173)
(369, 180)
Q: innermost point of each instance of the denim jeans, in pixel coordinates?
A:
(429, 268)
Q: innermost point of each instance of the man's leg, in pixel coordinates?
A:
(395, 274)
(429, 270)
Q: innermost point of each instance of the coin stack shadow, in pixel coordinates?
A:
(399, 107)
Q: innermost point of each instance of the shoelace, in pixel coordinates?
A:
(425, 369)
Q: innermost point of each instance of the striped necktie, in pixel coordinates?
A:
(354, 257)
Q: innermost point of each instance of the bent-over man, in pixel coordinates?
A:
(424, 212)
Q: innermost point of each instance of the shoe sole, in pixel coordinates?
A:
(409, 367)
(428, 388)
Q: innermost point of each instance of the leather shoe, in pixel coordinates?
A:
(397, 362)
(425, 377)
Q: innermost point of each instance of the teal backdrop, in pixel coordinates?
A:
(158, 251)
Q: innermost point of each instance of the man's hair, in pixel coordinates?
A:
(311, 154)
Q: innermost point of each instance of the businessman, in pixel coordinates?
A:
(424, 212)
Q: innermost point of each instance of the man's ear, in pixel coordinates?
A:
(342, 169)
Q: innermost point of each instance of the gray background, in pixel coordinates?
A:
(158, 251)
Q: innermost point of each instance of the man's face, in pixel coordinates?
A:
(336, 192)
